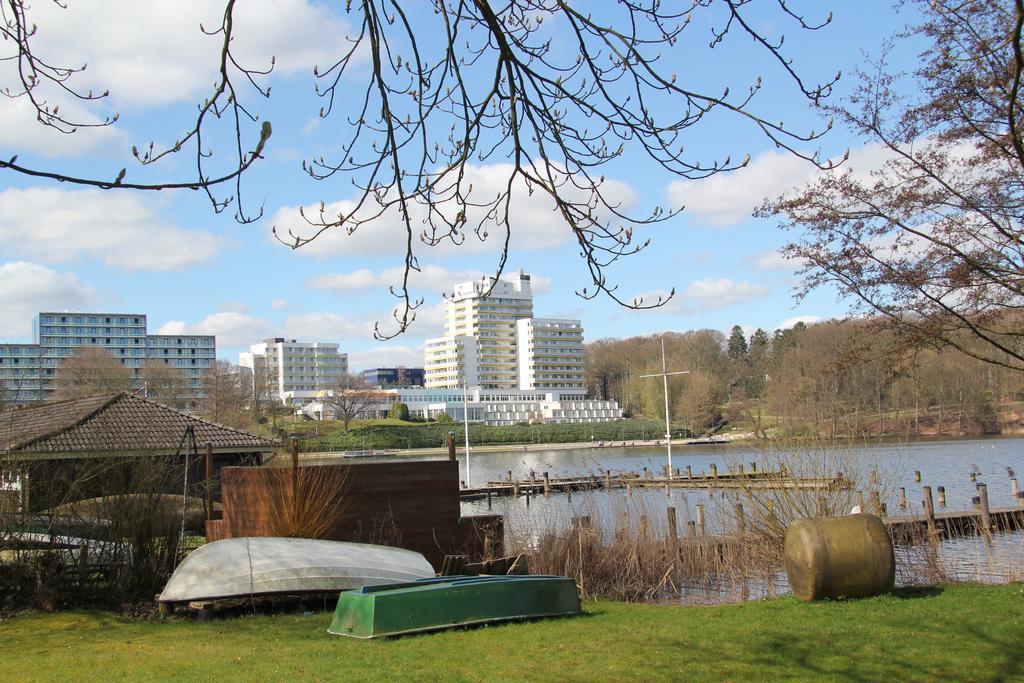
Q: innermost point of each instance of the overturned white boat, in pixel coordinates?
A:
(237, 567)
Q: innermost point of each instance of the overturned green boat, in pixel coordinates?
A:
(449, 601)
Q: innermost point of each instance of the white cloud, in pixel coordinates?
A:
(278, 304)
(122, 230)
(773, 260)
(19, 130)
(386, 356)
(231, 329)
(704, 295)
(27, 288)
(805, 319)
(154, 52)
(726, 199)
(233, 307)
(431, 278)
(324, 326)
(534, 223)
(713, 294)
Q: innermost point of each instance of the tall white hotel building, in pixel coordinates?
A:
(494, 342)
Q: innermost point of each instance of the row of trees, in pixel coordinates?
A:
(835, 378)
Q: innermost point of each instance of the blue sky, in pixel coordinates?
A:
(191, 270)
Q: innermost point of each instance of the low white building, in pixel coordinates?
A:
(495, 407)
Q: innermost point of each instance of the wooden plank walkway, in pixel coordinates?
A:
(905, 528)
(546, 485)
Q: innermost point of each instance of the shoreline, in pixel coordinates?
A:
(460, 449)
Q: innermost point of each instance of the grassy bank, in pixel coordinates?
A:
(329, 436)
(968, 632)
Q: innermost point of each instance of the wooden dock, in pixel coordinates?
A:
(749, 480)
(908, 528)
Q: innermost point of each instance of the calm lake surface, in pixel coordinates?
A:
(941, 463)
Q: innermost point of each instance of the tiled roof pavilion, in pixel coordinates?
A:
(112, 425)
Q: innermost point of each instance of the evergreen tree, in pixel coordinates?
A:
(737, 343)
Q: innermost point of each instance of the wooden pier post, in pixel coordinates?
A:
(607, 481)
(689, 472)
(876, 503)
(753, 468)
(451, 449)
(929, 513)
(646, 473)
(691, 529)
(902, 497)
(488, 500)
(209, 478)
(510, 476)
(741, 520)
(741, 468)
(986, 518)
(700, 518)
(528, 495)
(942, 496)
(665, 472)
(547, 485)
(714, 471)
(1013, 487)
(917, 476)
(515, 488)
(673, 533)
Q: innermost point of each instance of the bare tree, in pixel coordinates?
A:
(350, 396)
(90, 371)
(487, 87)
(165, 384)
(223, 401)
(932, 239)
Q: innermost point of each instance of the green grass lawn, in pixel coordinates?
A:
(952, 633)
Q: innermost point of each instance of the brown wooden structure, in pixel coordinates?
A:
(413, 505)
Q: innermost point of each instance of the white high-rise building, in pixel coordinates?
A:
(451, 361)
(490, 323)
(551, 355)
(286, 369)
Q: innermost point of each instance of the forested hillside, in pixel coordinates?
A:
(842, 378)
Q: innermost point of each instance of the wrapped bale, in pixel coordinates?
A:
(834, 557)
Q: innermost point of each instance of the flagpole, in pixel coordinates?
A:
(668, 427)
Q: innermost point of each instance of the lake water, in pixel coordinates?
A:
(941, 463)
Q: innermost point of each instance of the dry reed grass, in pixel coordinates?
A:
(303, 502)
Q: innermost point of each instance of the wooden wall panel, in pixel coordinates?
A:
(412, 505)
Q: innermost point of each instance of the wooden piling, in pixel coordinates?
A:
(691, 529)
(714, 471)
(510, 476)
(741, 468)
(673, 535)
(929, 513)
(917, 476)
(741, 520)
(1013, 487)
(209, 481)
(607, 481)
(942, 496)
(876, 503)
(753, 468)
(700, 518)
(547, 485)
(689, 472)
(488, 500)
(902, 497)
(986, 518)
(665, 472)
(647, 474)
(451, 449)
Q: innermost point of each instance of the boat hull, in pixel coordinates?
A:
(451, 601)
(237, 567)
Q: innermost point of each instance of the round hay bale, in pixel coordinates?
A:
(839, 557)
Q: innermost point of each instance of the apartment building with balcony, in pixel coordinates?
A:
(550, 353)
(288, 370)
(28, 372)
